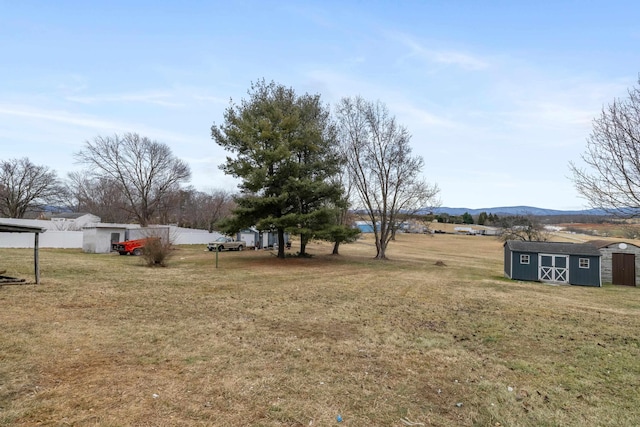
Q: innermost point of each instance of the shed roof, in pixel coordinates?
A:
(553, 247)
(111, 225)
(71, 215)
(604, 243)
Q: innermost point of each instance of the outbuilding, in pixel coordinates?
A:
(364, 226)
(556, 262)
(98, 238)
(250, 236)
(620, 261)
(260, 239)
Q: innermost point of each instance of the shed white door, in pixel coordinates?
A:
(553, 268)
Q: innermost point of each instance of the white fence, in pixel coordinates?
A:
(189, 236)
(50, 239)
(74, 239)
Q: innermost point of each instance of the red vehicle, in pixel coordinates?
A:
(130, 247)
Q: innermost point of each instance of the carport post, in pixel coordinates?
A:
(217, 257)
(35, 258)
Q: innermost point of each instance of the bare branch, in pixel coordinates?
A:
(382, 168)
(27, 187)
(145, 171)
(611, 181)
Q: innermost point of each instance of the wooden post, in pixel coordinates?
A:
(35, 258)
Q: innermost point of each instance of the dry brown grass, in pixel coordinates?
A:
(268, 342)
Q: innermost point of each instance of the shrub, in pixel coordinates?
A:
(156, 252)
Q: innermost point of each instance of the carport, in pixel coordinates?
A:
(12, 228)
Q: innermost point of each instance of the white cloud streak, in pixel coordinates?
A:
(155, 98)
(451, 57)
(58, 116)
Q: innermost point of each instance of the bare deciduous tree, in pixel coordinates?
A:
(384, 172)
(100, 196)
(173, 208)
(146, 171)
(197, 209)
(26, 187)
(613, 156)
(212, 206)
(526, 228)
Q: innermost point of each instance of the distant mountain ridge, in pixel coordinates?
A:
(518, 210)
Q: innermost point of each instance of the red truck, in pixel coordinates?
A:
(131, 247)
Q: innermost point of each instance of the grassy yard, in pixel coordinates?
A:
(266, 342)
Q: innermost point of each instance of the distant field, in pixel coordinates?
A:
(604, 231)
(575, 232)
(266, 342)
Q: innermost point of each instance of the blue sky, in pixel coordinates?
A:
(498, 95)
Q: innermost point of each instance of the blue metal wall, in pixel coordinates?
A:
(584, 276)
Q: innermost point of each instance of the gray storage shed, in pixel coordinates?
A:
(571, 263)
(620, 261)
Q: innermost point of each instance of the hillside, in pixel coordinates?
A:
(518, 210)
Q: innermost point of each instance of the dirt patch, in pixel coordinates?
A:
(326, 330)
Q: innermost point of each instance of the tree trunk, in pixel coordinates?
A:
(303, 244)
(336, 247)
(377, 240)
(281, 243)
(381, 248)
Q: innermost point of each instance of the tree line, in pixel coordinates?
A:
(137, 188)
(303, 170)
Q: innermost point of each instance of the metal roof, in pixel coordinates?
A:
(71, 215)
(553, 247)
(604, 243)
(13, 228)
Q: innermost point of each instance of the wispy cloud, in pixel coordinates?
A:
(419, 116)
(161, 98)
(213, 99)
(554, 113)
(58, 116)
(96, 125)
(73, 83)
(451, 57)
(563, 107)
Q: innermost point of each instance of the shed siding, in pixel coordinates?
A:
(98, 240)
(559, 251)
(249, 237)
(525, 271)
(507, 263)
(584, 276)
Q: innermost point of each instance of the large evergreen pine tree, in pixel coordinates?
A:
(285, 149)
